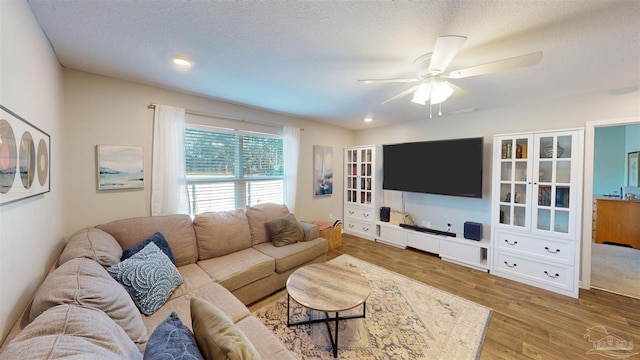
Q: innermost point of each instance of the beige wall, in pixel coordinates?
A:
(102, 110)
(31, 232)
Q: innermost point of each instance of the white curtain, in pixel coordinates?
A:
(169, 194)
(291, 148)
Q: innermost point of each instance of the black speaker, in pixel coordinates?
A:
(472, 230)
(385, 214)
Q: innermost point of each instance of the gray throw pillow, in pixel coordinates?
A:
(284, 230)
(172, 340)
(149, 277)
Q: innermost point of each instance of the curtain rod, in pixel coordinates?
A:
(225, 117)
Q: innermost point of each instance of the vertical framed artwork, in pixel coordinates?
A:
(24, 158)
(322, 170)
(633, 169)
(120, 167)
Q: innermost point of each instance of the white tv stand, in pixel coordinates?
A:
(470, 253)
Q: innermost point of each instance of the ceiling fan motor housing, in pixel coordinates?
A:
(422, 65)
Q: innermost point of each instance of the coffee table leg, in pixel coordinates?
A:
(288, 305)
(335, 348)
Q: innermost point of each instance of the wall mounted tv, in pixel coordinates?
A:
(445, 167)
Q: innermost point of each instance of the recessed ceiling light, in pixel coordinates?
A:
(182, 61)
(368, 119)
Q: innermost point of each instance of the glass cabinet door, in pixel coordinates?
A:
(351, 186)
(552, 183)
(515, 175)
(366, 176)
(359, 176)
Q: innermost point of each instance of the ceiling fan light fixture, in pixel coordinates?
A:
(422, 94)
(441, 92)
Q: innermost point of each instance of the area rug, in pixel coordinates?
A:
(405, 319)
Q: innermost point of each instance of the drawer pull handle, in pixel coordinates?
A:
(511, 266)
(365, 214)
(351, 226)
(553, 252)
(365, 229)
(513, 243)
(551, 276)
(351, 212)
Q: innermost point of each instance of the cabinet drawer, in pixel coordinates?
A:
(393, 235)
(359, 228)
(460, 251)
(555, 275)
(554, 250)
(423, 242)
(358, 213)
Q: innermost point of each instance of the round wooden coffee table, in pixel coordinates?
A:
(328, 288)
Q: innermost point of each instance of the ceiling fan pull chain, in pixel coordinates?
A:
(430, 116)
(440, 110)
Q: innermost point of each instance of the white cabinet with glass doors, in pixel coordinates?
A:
(361, 191)
(537, 199)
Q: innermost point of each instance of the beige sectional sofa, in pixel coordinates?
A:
(225, 258)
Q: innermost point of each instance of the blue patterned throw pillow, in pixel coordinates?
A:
(157, 239)
(149, 277)
(172, 340)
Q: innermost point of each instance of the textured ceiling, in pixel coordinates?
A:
(302, 58)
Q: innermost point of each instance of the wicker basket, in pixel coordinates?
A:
(333, 235)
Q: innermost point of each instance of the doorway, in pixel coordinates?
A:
(606, 267)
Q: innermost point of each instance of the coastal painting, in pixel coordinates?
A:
(322, 170)
(120, 167)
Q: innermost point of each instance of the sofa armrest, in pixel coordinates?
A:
(311, 231)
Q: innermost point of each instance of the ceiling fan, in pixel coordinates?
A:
(434, 85)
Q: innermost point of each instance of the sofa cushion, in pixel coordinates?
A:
(177, 230)
(194, 278)
(259, 214)
(294, 255)
(172, 340)
(217, 336)
(284, 230)
(157, 239)
(86, 283)
(149, 277)
(93, 244)
(71, 331)
(239, 268)
(214, 293)
(221, 233)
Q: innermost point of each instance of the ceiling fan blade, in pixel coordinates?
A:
(404, 93)
(445, 50)
(497, 66)
(371, 81)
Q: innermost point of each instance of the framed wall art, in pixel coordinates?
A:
(633, 168)
(120, 167)
(25, 158)
(322, 170)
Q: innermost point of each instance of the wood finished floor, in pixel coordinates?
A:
(527, 322)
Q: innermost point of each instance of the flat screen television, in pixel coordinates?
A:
(444, 167)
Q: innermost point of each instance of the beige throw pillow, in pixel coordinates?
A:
(217, 336)
(284, 230)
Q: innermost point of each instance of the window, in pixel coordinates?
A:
(227, 171)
